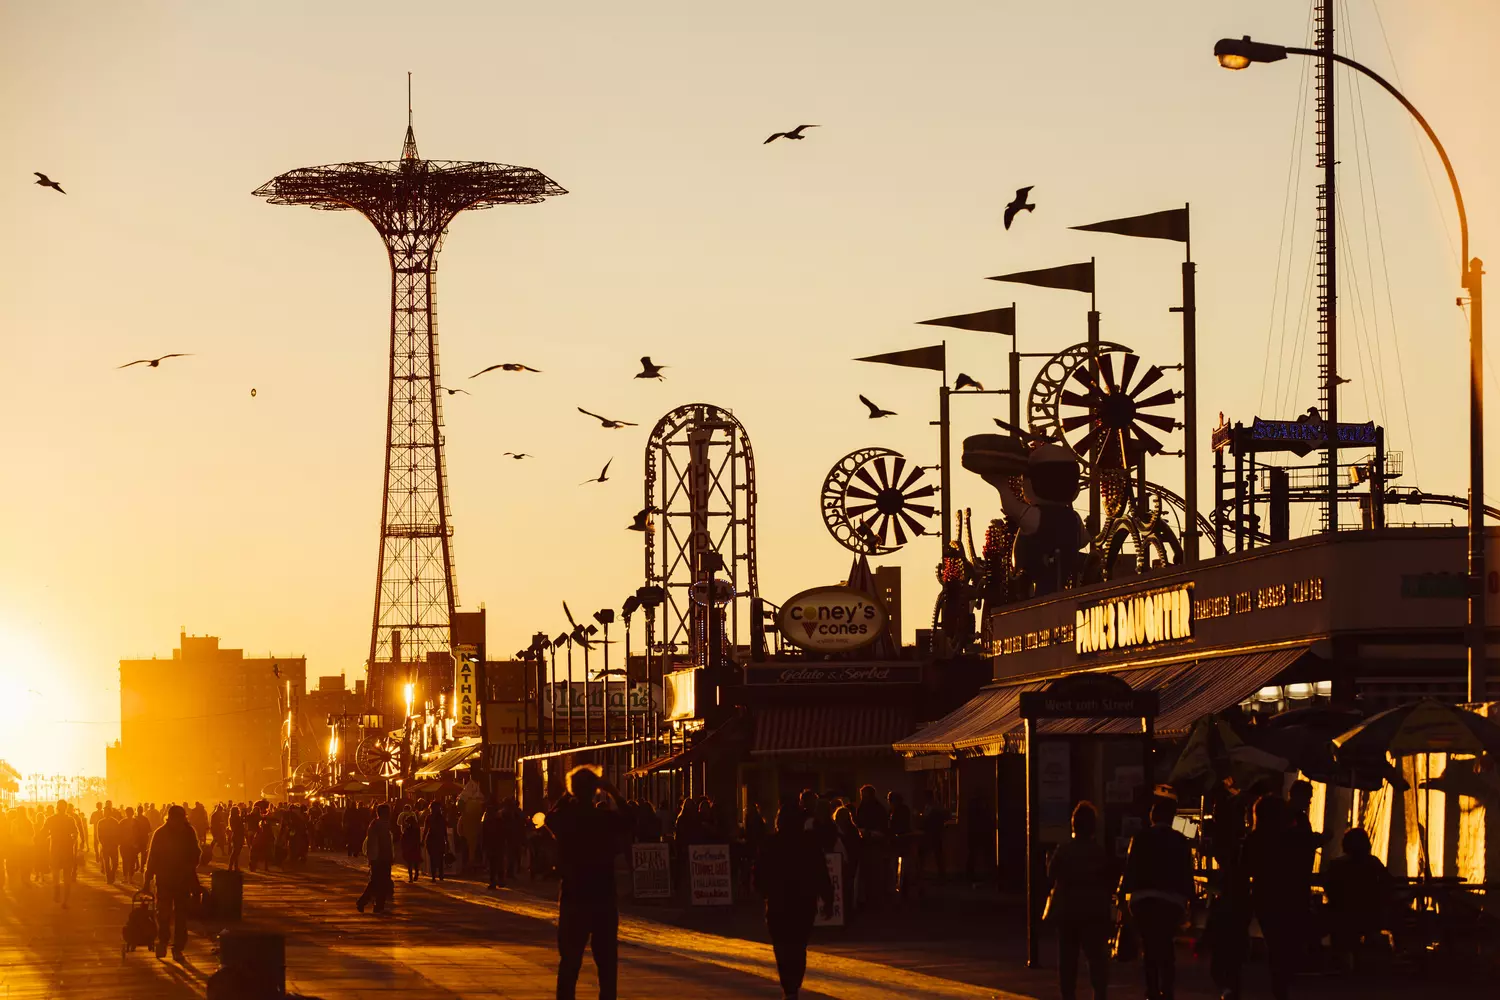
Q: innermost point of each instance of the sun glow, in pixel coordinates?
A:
(31, 703)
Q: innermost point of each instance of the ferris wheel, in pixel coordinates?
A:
(871, 501)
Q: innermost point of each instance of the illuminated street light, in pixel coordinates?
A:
(1238, 53)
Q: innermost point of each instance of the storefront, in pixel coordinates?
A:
(1369, 619)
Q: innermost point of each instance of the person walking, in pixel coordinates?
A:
(792, 875)
(130, 845)
(61, 833)
(1359, 889)
(381, 851)
(589, 835)
(492, 840)
(435, 839)
(1158, 884)
(1271, 859)
(94, 818)
(172, 861)
(236, 837)
(1083, 881)
(411, 846)
(109, 845)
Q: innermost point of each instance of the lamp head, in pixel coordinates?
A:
(630, 606)
(1238, 53)
(604, 616)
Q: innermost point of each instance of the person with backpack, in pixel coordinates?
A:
(382, 854)
(172, 862)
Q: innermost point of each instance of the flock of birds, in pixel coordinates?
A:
(649, 369)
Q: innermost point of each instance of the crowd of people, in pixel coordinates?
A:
(1263, 850)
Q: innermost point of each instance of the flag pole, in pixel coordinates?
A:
(1095, 516)
(944, 445)
(1190, 394)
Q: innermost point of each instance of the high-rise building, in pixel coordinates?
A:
(207, 724)
(888, 589)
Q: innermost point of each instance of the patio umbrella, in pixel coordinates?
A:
(350, 786)
(1304, 736)
(1426, 726)
(1213, 751)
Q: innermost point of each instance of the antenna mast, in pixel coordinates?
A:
(1328, 261)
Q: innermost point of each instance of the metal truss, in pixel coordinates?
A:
(410, 202)
(700, 481)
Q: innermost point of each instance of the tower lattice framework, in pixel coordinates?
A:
(410, 202)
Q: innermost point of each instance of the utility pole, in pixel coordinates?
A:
(1478, 578)
(1328, 275)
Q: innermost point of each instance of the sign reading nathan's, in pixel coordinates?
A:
(832, 619)
(1136, 620)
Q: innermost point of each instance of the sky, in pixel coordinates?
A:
(143, 501)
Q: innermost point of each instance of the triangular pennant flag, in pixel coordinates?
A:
(1169, 225)
(1078, 277)
(990, 321)
(934, 357)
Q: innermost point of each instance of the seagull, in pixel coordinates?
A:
(648, 370)
(1017, 205)
(44, 181)
(155, 362)
(795, 133)
(964, 382)
(450, 392)
(518, 455)
(608, 423)
(603, 476)
(509, 366)
(875, 411)
(639, 523)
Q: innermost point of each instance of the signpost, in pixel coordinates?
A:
(1077, 696)
(709, 875)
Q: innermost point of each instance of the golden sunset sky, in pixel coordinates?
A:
(141, 501)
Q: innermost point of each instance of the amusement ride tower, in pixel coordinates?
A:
(410, 202)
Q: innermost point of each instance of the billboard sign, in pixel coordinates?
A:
(832, 619)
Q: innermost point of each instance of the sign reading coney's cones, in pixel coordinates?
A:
(832, 619)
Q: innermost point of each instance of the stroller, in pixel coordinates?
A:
(140, 927)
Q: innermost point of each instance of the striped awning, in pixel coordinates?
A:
(447, 760)
(828, 729)
(500, 758)
(1187, 690)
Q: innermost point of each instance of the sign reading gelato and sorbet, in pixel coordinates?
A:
(832, 619)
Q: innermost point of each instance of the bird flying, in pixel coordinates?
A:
(44, 181)
(450, 392)
(1018, 205)
(509, 366)
(569, 614)
(964, 382)
(606, 422)
(795, 133)
(639, 522)
(518, 455)
(648, 370)
(875, 411)
(603, 476)
(155, 362)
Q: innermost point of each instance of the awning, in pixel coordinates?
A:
(727, 738)
(447, 760)
(500, 758)
(1188, 689)
(828, 729)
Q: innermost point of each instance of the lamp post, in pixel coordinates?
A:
(605, 616)
(1239, 53)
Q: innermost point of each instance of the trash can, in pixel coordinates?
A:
(254, 958)
(227, 894)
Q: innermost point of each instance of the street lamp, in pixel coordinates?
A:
(1239, 53)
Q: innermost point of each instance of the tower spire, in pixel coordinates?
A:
(409, 146)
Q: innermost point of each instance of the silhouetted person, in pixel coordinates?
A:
(1083, 882)
(411, 847)
(435, 839)
(792, 874)
(236, 837)
(933, 822)
(589, 835)
(109, 845)
(61, 831)
(130, 844)
(492, 838)
(173, 862)
(1271, 860)
(381, 851)
(1358, 888)
(94, 818)
(354, 831)
(1158, 883)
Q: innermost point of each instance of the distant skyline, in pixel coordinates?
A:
(145, 500)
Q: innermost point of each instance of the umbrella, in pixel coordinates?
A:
(1214, 749)
(1426, 726)
(436, 787)
(349, 786)
(1304, 736)
(1464, 777)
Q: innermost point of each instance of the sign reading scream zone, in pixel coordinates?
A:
(832, 619)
